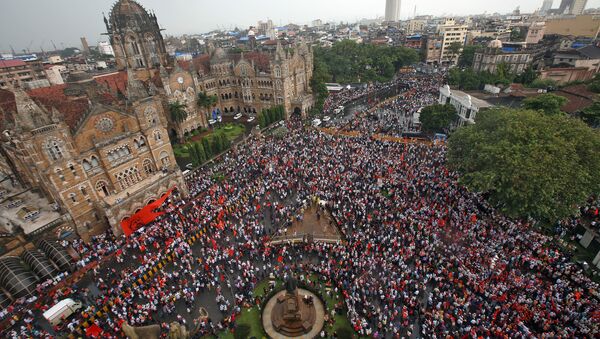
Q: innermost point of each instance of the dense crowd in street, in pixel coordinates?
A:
(423, 256)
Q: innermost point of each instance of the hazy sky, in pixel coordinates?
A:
(64, 21)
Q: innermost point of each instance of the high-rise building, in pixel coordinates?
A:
(84, 44)
(573, 7)
(392, 10)
(578, 7)
(546, 6)
(452, 33)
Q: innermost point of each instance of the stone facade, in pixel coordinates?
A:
(490, 58)
(101, 165)
(242, 82)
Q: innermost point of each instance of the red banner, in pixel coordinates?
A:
(144, 216)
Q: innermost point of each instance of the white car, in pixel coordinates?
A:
(212, 121)
(250, 119)
(316, 122)
(326, 118)
(237, 116)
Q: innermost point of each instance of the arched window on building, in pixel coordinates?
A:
(164, 159)
(95, 162)
(54, 149)
(157, 136)
(73, 197)
(102, 188)
(277, 71)
(59, 173)
(86, 165)
(148, 167)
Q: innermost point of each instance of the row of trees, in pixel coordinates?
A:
(347, 62)
(271, 115)
(469, 80)
(206, 148)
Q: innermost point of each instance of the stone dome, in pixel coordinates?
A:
(219, 55)
(495, 44)
(129, 14)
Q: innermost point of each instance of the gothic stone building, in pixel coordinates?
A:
(243, 82)
(98, 155)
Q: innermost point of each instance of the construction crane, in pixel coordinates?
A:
(28, 50)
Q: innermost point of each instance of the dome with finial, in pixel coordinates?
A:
(495, 44)
(130, 14)
(219, 55)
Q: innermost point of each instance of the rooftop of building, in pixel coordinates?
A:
(72, 100)
(24, 201)
(12, 63)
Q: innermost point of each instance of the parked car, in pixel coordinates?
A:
(212, 121)
(237, 116)
(189, 166)
(326, 118)
(250, 119)
(316, 122)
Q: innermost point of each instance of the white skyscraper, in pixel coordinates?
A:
(578, 7)
(547, 5)
(392, 10)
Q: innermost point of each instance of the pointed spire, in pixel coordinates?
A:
(279, 52)
(163, 72)
(29, 115)
(135, 88)
(57, 116)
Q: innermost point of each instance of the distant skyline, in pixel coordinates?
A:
(34, 23)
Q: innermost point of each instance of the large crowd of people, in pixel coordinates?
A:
(422, 256)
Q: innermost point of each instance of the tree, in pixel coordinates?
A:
(594, 86)
(197, 153)
(528, 76)
(437, 118)
(207, 149)
(467, 56)
(178, 112)
(549, 104)
(206, 101)
(454, 50)
(591, 115)
(528, 163)
(216, 145)
(225, 143)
